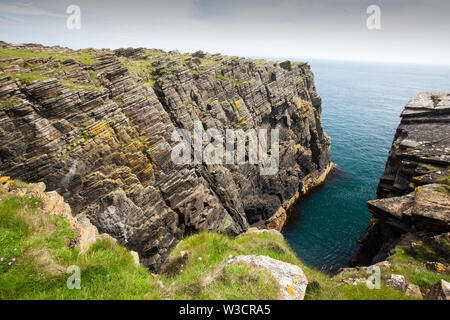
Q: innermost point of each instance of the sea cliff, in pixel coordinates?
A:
(414, 191)
(96, 127)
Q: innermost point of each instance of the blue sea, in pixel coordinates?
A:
(361, 107)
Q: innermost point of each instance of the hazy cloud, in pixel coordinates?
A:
(25, 8)
(412, 30)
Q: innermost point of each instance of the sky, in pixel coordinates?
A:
(411, 31)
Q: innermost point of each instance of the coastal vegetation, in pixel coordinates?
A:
(36, 249)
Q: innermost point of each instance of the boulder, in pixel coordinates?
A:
(286, 65)
(87, 233)
(135, 256)
(199, 54)
(290, 278)
(413, 291)
(437, 267)
(397, 282)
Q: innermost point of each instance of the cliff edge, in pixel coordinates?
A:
(96, 127)
(46, 253)
(413, 202)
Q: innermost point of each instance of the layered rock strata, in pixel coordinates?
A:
(96, 126)
(414, 190)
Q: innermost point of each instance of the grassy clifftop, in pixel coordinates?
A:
(37, 248)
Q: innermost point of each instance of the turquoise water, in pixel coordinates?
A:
(361, 107)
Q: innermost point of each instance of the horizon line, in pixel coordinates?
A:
(268, 58)
(297, 59)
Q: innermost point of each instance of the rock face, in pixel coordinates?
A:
(96, 126)
(439, 291)
(414, 190)
(291, 279)
(397, 282)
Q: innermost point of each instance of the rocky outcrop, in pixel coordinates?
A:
(420, 153)
(414, 190)
(439, 291)
(398, 282)
(290, 278)
(96, 126)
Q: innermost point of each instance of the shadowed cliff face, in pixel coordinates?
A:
(414, 190)
(96, 126)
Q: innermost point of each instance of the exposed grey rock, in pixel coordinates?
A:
(397, 282)
(413, 291)
(134, 53)
(437, 267)
(13, 61)
(441, 244)
(286, 65)
(135, 256)
(199, 54)
(291, 279)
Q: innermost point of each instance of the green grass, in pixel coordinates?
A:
(220, 77)
(211, 277)
(444, 179)
(39, 243)
(413, 268)
(9, 103)
(214, 249)
(141, 70)
(443, 189)
(85, 56)
(402, 262)
(362, 292)
(42, 257)
(28, 77)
